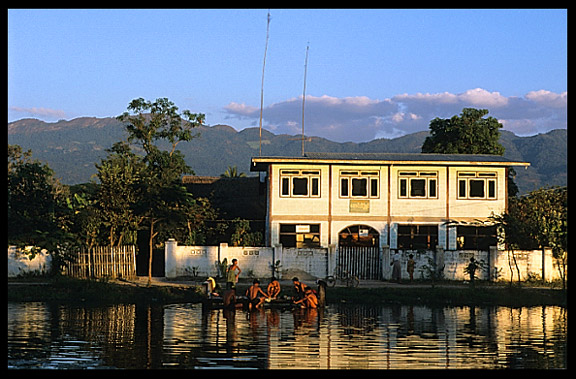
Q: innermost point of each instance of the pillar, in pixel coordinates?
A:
(170, 259)
(277, 256)
(439, 260)
(385, 274)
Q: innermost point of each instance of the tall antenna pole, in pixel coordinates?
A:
(262, 87)
(304, 95)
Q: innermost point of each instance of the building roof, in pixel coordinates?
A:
(193, 179)
(260, 163)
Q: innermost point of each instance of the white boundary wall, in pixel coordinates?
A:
(19, 262)
(257, 262)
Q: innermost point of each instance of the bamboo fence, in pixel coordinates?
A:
(103, 262)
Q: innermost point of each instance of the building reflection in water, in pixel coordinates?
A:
(338, 337)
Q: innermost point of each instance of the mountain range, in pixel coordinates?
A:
(72, 147)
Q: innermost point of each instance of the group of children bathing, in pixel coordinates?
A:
(304, 296)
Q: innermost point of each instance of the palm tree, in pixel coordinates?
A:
(232, 172)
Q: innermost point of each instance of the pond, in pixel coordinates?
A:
(135, 336)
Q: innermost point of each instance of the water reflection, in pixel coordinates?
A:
(42, 335)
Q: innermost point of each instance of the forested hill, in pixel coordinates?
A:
(72, 147)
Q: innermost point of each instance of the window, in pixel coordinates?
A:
(476, 237)
(418, 184)
(477, 185)
(300, 235)
(476, 188)
(300, 183)
(359, 184)
(417, 187)
(417, 236)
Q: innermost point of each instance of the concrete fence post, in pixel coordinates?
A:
(170, 259)
(222, 253)
(331, 260)
(277, 256)
(492, 259)
(385, 262)
(439, 260)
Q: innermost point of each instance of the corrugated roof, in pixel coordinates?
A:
(193, 179)
(259, 163)
(416, 157)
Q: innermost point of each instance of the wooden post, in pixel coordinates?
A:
(88, 256)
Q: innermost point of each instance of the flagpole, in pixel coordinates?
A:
(262, 87)
(304, 95)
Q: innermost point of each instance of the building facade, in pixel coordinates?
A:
(403, 201)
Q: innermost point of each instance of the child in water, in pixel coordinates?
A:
(273, 289)
(253, 293)
(309, 300)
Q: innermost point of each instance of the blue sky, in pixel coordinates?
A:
(371, 73)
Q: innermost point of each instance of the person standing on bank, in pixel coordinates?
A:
(471, 270)
(232, 273)
(410, 266)
(396, 267)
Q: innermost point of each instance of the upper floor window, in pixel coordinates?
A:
(477, 185)
(359, 184)
(418, 184)
(300, 183)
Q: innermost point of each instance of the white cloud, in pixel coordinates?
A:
(549, 99)
(362, 119)
(339, 119)
(401, 116)
(40, 112)
(438, 98)
(240, 109)
(482, 98)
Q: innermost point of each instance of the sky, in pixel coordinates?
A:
(371, 73)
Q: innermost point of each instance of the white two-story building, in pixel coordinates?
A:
(403, 201)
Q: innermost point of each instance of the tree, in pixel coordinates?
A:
(242, 234)
(117, 195)
(40, 210)
(547, 218)
(513, 232)
(196, 214)
(87, 221)
(31, 198)
(232, 172)
(468, 133)
(539, 220)
(160, 119)
(162, 202)
(162, 196)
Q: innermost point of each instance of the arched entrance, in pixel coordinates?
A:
(359, 252)
(359, 235)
